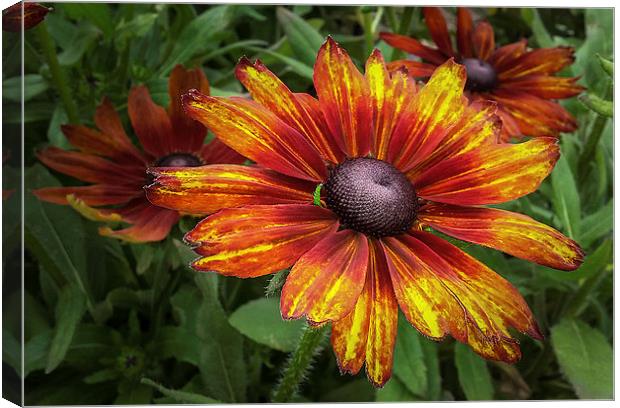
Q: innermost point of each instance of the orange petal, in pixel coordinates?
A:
(259, 239)
(101, 144)
(436, 108)
(490, 175)
(150, 122)
(505, 56)
(484, 40)
(270, 92)
(414, 69)
(535, 116)
(477, 126)
(109, 123)
(438, 29)
(544, 86)
(368, 333)
(189, 135)
(14, 21)
(206, 189)
(326, 281)
(91, 213)
(96, 194)
(344, 99)
(391, 96)
(513, 233)
(442, 290)
(257, 134)
(149, 223)
(464, 30)
(539, 61)
(412, 46)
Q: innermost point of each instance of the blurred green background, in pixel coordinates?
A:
(108, 322)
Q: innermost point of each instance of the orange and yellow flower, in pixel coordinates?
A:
(117, 168)
(390, 160)
(521, 81)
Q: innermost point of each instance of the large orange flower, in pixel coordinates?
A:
(521, 81)
(108, 159)
(390, 159)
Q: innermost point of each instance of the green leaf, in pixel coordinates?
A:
(97, 13)
(130, 393)
(179, 343)
(54, 132)
(607, 65)
(182, 397)
(304, 39)
(353, 391)
(71, 306)
(107, 374)
(593, 263)
(409, 364)
(599, 23)
(585, 357)
(83, 38)
(566, 198)
(430, 351)
(394, 391)
(11, 351)
(34, 85)
(473, 374)
(598, 105)
(202, 30)
(36, 351)
(261, 321)
(597, 225)
(541, 34)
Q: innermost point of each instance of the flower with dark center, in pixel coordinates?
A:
(116, 168)
(520, 81)
(335, 193)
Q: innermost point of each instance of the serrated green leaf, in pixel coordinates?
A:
(394, 391)
(566, 199)
(473, 374)
(304, 39)
(430, 352)
(585, 357)
(598, 105)
(261, 321)
(69, 310)
(409, 363)
(597, 225)
(182, 397)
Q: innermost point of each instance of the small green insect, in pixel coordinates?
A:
(317, 195)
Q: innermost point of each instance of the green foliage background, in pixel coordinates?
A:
(107, 322)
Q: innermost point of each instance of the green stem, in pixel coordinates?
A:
(594, 137)
(391, 17)
(49, 51)
(299, 363)
(366, 20)
(405, 23)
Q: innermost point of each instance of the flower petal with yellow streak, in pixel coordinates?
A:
(344, 98)
(269, 91)
(207, 189)
(442, 290)
(259, 239)
(491, 175)
(258, 134)
(91, 213)
(464, 30)
(150, 122)
(326, 281)
(413, 46)
(484, 40)
(438, 29)
(544, 86)
(148, 223)
(436, 108)
(513, 233)
(540, 61)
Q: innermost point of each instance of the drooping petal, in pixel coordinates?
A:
(206, 189)
(149, 223)
(477, 126)
(513, 233)
(326, 281)
(93, 169)
(544, 86)
(344, 98)
(443, 290)
(415, 69)
(101, 144)
(539, 61)
(368, 333)
(269, 91)
(506, 55)
(150, 122)
(438, 29)
(464, 30)
(436, 108)
(93, 214)
(412, 46)
(259, 239)
(95, 194)
(484, 40)
(257, 134)
(216, 152)
(391, 96)
(510, 126)
(535, 116)
(491, 175)
(188, 134)
(109, 123)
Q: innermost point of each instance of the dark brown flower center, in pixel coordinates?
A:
(179, 160)
(481, 75)
(371, 196)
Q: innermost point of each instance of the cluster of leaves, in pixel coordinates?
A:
(107, 322)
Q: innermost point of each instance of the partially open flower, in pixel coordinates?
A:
(108, 159)
(14, 19)
(521, 81)
(390, 160)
